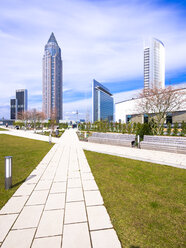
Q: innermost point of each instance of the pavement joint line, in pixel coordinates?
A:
(11, 228)
(63, 224)
(47, 195)
(26, 228)
(102, 229)
(58, 235)
(74, 223)
(91, 243)
(65, 161)
(18, 214)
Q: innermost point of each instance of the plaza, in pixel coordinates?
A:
(59, 204)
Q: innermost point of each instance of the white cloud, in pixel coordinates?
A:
(101, 39)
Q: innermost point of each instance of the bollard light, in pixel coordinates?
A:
(138, 141)
(8, 172)
(50, 138)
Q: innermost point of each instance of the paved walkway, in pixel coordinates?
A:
(158, 157)
(29, 135)
(59, 205)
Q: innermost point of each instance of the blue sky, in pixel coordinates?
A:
(99, 39)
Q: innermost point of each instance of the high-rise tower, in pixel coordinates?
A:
(102, 103)
(154, 64)
(19, 105)
(52, 80)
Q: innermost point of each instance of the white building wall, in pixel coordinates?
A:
(130, 107)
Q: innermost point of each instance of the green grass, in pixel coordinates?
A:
(46, 133)
(26, 154)
(3, 129)
(146, 202)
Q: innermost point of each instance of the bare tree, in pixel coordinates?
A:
(156, 103)
(53, 119)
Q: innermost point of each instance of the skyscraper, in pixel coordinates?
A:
(102, 103)
(22, 100)
(52, 80)
(13, 109)
(19, 105)
(154, 64)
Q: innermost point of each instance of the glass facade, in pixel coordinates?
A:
(21, 96)
(102, 103)
(52, 80)
(13, 109)
(18, 105)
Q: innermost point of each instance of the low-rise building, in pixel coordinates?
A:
(127, 111)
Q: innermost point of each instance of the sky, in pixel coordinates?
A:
(99, 39)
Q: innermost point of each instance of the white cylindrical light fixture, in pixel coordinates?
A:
(8, 172)
(50, 138)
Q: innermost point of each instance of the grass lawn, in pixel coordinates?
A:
(26, 154)
(146, 202)
(3, 129)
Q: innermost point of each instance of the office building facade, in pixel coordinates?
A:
(13, 109)
(52, 80)
(22, 100)
(19, 105)
(102, 103)
(154, 64)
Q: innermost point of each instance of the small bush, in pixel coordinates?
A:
(124, 128)
(144, 129)
(183, 128)
(175, 130)
(129, 128)
(169, 128)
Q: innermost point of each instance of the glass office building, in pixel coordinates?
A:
(22, 100)
(52, 80)
(102, 103)
(19, 105)
(13, 109)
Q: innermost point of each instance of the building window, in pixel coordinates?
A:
(146, 118)
(128, 118)
(169, 118)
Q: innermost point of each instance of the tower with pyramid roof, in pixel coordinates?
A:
(52, 80)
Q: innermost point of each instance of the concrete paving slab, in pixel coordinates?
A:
(19, 239)
(93, 198)
(74, 183)
(55, 201)
(75, 212)
(25, 189)
(58, 187)
(89, 185)
(43, 185)
(74, 194)
(105, 239)
(14, 205)
(6, 221)
(38, 198)
(50, 224)
(29, 217)
(76, 236)
(98, 218)
(74, 174)
(49, 242)
(87, 176)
